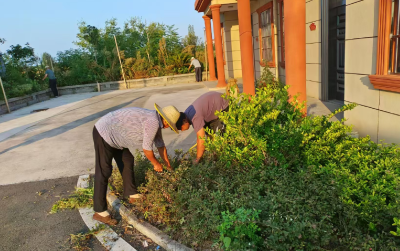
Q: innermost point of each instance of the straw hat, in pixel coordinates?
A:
(170, 114)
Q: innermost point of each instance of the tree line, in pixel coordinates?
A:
(146, 49)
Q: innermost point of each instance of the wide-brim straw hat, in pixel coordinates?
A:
(170, 114)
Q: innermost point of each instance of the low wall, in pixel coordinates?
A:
(17, 103)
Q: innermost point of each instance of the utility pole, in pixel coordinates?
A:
(120, 62)
(5, 97)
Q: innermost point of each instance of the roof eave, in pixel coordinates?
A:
(201, 5)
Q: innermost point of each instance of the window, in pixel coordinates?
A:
(387, 75)
(266, 35)
(394, 65)
(282, 33)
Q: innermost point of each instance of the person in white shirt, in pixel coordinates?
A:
(197, 67)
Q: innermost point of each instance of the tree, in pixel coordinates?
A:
(191, 41)
(22, 56)
(47, 59)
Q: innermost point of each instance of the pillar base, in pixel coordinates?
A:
(221, 83)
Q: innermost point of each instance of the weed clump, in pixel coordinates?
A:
(81, 197)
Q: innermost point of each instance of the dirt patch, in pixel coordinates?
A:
(134, 237)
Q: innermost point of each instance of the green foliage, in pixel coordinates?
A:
(146, 49)
(396, 223)
(314, 186)
(81, 197)
(156, 204)
(191, 41)
(22, 55)
(239, 231)
(268, 79)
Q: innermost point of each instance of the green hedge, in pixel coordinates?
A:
(277, 180)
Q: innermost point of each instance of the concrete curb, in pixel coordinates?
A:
(145, 228)
(107, 237)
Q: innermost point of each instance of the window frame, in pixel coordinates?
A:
(259, 11)
(382, 80)
(393, 48)
(223, 43)
(281, 40)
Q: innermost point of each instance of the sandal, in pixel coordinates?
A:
(135, 198)
(106, 220)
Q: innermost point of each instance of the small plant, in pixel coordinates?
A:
(268, 80)
(81, 197)
(239, 231)
(396, 223)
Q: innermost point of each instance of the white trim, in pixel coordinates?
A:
(107, 237)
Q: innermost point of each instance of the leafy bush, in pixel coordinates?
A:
(313, 186)
(239, 231)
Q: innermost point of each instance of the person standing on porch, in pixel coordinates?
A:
(197, 67)
(52, 81)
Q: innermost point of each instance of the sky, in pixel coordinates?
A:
(51, 26)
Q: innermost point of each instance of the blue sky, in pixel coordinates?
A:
(51, 26)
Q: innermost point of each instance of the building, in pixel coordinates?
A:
(333, 50)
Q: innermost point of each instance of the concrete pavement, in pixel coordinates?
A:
(47, 151)
(60, 144)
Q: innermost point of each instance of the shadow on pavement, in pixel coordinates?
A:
(57, 131)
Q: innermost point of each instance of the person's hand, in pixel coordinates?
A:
(158, 167)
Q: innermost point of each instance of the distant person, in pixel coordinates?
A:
(197, 67)
(52, 81)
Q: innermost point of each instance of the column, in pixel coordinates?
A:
(218, 44)
(210, 50)
(246, 46)
(295, 48)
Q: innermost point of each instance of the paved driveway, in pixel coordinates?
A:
(46, 151)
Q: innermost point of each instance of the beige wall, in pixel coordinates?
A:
(378, 113)
(233, 67)
(313, 48)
